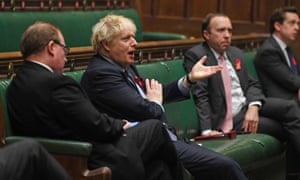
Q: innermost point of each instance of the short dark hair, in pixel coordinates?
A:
(37, 36)
(278, 15)
(206, 21)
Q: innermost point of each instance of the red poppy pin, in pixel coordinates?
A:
(139, 81)
(294, 61)
(237, 64)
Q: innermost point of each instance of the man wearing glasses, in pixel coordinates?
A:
(44, 103)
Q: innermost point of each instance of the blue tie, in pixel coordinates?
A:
(292, 60)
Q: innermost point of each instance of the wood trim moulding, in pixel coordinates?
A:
(146, 52)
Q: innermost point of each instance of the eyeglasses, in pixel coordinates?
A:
(66, 49)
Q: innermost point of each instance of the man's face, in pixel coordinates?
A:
(59, 58)
(219, 33)
(288, 30)
(122, 48)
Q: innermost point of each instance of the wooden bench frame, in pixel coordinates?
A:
(146, 52)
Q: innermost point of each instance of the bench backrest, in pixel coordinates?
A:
(4, 114)
(182, 115)
(75, 25)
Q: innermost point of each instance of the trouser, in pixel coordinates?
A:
(145, 151)
(205, 164)
(281, 119)
(27, 160)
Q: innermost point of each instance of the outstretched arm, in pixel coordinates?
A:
(200, 71)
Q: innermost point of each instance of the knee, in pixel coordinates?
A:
(30, 146)
(230, 164)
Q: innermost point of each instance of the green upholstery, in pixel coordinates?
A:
(159, 36)
(247, 149)
(182, 114)
(260, 156)
(75, 25)
(249, 57)
(59, 146)
(76, 75)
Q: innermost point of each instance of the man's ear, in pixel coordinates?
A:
(50, 48)
(105, 45)
(277, 26)
(205, 34)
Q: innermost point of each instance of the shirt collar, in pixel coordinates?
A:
(280, 42)
(217, 55)
(113, 62)
(42, 64)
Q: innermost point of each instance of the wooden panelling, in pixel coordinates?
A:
(61, 5)
(185, 16)
(197, 9)
(169, 9)
(237, 10)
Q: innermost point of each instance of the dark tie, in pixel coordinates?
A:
(292, 59)
(228, 124)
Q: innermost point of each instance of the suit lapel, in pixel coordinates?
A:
(236, 61)
(211, 62)
(122, 71)
(276, 46)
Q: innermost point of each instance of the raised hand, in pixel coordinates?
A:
(200, 71)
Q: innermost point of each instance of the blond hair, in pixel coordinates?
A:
(108, 27)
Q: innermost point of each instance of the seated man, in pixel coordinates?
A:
(114, 85)
(278, 67)
(233, 99)
(42, 102)
(27, 160)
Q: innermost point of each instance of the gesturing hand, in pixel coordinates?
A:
(200, 71)
(154, 90)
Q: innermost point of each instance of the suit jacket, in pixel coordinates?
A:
(274, 73)
(46, 104)
(110, 90)
(209, 94)
(67, 113)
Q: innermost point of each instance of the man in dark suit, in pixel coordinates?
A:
(43, 102)
(245, 105)
(28, 160)
(272, 61)
(277, 65)
(114, 85)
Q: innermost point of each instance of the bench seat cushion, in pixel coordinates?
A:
(248, 148)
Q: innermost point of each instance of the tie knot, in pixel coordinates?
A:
(221, 57)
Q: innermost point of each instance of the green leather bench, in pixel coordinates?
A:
(260, 156)
(75, 25)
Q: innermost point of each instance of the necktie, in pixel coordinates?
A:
(228, 124)
(292, 60)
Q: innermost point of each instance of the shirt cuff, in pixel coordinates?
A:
(183, 89)
(256, 103)
(205, 132)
